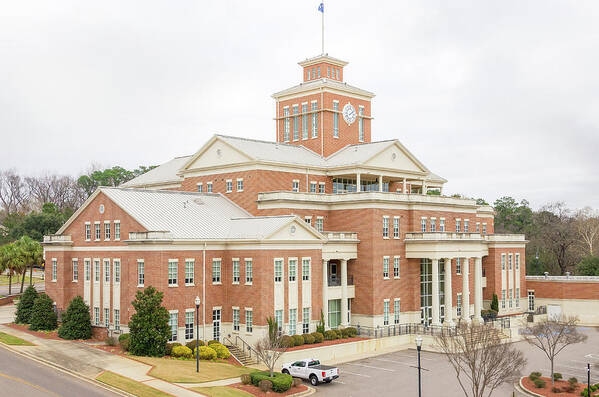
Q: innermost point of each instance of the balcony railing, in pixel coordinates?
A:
(151, 235)
(339, 236)
(57, 238)
(436, 236)
(336, 281)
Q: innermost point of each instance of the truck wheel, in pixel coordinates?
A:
(313, 380)
(285, 371)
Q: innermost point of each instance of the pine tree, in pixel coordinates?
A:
(76, 322)
(148, 327)
(25, 306)
(43, 316)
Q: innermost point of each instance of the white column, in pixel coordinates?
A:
(325, 298)
(465, 290)
(448, 294)
(344, 292)
(423, 187)
(435, 293)
(380, 183)
(478, 289)
(358, 186)
(405, 186)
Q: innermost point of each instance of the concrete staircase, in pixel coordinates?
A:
(241, 356)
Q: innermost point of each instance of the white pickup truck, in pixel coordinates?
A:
(311, 370)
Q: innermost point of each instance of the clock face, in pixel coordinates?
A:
(349, 113)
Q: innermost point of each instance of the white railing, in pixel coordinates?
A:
(57, 238)
(341, 235)
(505, 237)
(435, 236)
(152, 235)
(567, 277)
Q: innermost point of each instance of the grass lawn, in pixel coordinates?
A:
(184, 371)
(129, 385)
(16, 280)
(13, 340)
(221, 391)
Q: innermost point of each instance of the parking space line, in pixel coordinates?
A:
(393, 361)
(416, 357)
(370, 366)
(343, 371)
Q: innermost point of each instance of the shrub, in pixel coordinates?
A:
(211, 342)
(330, 335)
(320, 326)
(76, 322)
(42, 314)
(352, 332)
(298, 340)
(539, 383)
(573, 381)
(344, 333)
(265, 385)
(25, 306)
(338, 333)
(557, 376)
(246, 379)
(280, 382)
(125, 344)
(287, 341)
(181, 351)
(534, 376)
(149, 325)
(122, 337)
(192, 344)
(556, 389)
(318, 337)
(309, 339)
(110, 341)
(168, 348)
(297, 382)
(206, 353)
(221, 350)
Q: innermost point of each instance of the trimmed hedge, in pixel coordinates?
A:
(539, 383)
(192, 344)
(221, 350)
(309, 339)
(287, 341)
(298, 340)
(168, 348)
(211, 342)
(330, 335)
(338, 333)
(182, 351)
(534, 376)
(206, 353)
(280, 382)
(318, 337)
(122, 337)
(125, 344)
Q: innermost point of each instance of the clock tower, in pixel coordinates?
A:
(323, 113)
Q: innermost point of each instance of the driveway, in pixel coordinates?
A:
(395, 374)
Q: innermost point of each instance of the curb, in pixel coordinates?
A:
(524, 390)
(308, 392)
(66, 370)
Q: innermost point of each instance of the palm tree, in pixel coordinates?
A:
(29, 253)
(9, 262)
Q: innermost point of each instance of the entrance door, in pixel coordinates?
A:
(216, 324)
(333, 276)
(426, 302)
(334, 313)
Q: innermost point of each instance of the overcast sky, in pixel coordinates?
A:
(498, 97)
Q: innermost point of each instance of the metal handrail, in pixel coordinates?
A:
(419, 329)
(245, 346)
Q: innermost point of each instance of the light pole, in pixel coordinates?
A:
(197, 334)
(588, 379)
(418, 347)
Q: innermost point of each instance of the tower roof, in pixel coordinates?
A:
(322, 58)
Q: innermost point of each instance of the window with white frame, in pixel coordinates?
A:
(249, 321)
(458, 305)
(117, 230)
(396, 311)
(321, 186)
(140, 273)
(173, 323)
(386, 312)
(442, 225)
(396, 227)
(292, 321)
(484, 228)
(531, 301)
(312, 187)
(106, 230)
(117, 319)
(295, 122)
(396, 266)
(54, 269)
(517, 297)
(75, 269)
(173, 272)
(433, 224)
(423, 225)
(117, 270)
(228, 186)
(96, 316)
(458, 265)
(286, 124)
(189, 271)
(502, 261)
(97, 227)
(306, 320)
(236, 319)
(385, 267)
(509, 261)
(306, 269)
(458, 225)
(292, 269)
(336, 119)
(240, 184)
(466, 225)
(106, 317)
(361, 123)
(209, 187)
(510, 298)
(235, 270)
(477, 227)
(216, 262)
(305, 123)
(385, 226)
(106, 271)
(503, 299)
(279, 319)
(189, 317)
(517, 261)
(88, 231)
(87, 269)
(249, 271)
(278, 270)
(319, 223)
(295, 185)
(96, 270)
(314, 119)
(308, 220)
(200, 187)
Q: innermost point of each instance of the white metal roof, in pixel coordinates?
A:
(357, 154)
(166, 172)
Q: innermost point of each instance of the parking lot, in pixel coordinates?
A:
(396, 374)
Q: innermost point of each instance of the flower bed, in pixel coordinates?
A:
(546, 391)
(259, 393)
(40, 334)
(326, 343)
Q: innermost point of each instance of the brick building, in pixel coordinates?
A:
(322, 220)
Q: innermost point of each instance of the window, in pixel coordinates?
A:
(97, 227)
(484, 228)
(54, 269)
(336, 119)
(531, 301)
(117, 319)
(306, 269)
(458, 305)
(385, 267)
(328, 71)
(321, 187)
(337, 74)
(510, 297)
(396, 311)
(386, 312)
(106, 230)
(385, 226)
(140, 273)
(517, 261)
(292, 321)
(189, 271)
(216, 270)
(295, 122)
(308, 220)
(229, 186)
(189, 324)
(477, 227)
(503, 299)
(239, 184)
(249, 320)
(314, 120)
(509, 261)
(173, 271)
(106, 317)
(292, 269)
(466, 225)
(517, 297)
(87, 269)
(396, 267)
(235, 319)
(88, 231)
(249, 272)
(278, 270)
(502, 261)
(305, 124)
(318, 71)
(361, 123)
(458, 265)
(313, 73)
(200, 187)
(305, 320)
(395, 227)
(117, 270)
(423, 225)
(442, 225)
(117, 230)
(173, 322)
(458, 224)
(295, 185)
(433, 225)
(312, 187)
(97, 270)
(235, 271)
(209, 187)
(75, 270)
(279, 319)
(319, 223)
(286, 124)
(107, 270)
(96, 316)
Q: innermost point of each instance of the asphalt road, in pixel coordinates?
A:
(22, 377)
(16, 288)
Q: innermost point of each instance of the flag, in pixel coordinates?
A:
(321, 7)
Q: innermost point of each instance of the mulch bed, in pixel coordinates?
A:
(40, 334)
(110, 349)
(259, 393)
(546, 391)
(326, 343)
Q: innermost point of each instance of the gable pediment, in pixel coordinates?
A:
(216, 153)
(395, 157)
(296, 230)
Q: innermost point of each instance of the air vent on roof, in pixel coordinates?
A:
(198, 201)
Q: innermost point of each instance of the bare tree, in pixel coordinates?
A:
(13, 192)
(269, 349)
(557, 233)
(552, 335)
(481, 360)
(587, 226)
(61, 190)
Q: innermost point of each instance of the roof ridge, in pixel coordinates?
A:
(290, 145)
(349, 145)
(138, 189)
(264, 217)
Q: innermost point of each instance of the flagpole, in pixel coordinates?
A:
(323, 27)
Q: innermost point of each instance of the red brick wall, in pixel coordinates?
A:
(563, 289)
(307, 72)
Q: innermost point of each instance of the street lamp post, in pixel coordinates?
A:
(588, 379)
(419, 347)
(197, 334)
